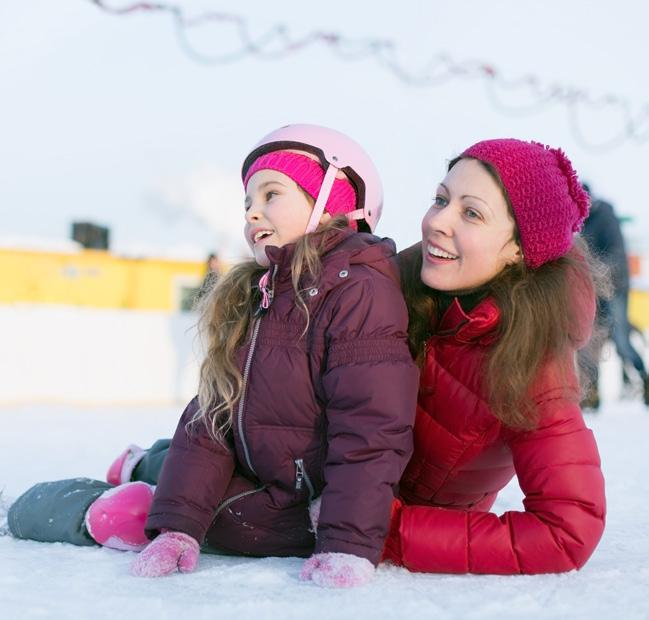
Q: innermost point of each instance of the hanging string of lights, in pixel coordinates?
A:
(277, 42)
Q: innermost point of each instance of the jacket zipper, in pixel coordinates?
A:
(301, 475)
(246, 372)
(234, 498)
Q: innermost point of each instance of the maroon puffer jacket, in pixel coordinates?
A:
(329, 414)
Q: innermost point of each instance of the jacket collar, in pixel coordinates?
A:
(342, 248)
(356, 248)
(478, 324)
(280, 257)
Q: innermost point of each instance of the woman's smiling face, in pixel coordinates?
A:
(468, 234)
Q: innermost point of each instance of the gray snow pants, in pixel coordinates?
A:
(55, 511)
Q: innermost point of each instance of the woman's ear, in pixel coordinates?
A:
(325, 217)
(516, 254)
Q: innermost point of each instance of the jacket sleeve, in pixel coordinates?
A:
(370, 388)
(558, 469)
(193, 479)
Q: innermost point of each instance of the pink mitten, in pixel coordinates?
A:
(337, 570)
(167, 553)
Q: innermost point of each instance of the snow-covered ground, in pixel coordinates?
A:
(62, 581)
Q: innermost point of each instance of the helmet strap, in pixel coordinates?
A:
(323, 196)
(358, 214)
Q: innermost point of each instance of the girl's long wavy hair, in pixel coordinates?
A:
(538, 308)
(225, 316)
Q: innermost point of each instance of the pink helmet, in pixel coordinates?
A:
(336, 151)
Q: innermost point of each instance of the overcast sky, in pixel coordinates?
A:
(105, 118)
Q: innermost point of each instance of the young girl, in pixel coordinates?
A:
(307, 389)
(500, 297)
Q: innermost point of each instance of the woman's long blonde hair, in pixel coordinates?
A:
(225, 316)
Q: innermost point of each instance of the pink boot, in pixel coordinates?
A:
(116, 518)
(121, 470)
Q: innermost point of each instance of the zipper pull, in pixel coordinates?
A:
(299, 473)
(267, 290)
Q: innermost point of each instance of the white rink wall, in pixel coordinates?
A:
(61, 354)
(54, 354)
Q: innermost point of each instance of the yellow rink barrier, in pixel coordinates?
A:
(639, 309)
(98, 279)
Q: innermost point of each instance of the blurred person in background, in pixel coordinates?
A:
(212, 275)
(213, 264)
(603, 234)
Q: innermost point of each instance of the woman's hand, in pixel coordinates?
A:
(337, 570)
(169, 552)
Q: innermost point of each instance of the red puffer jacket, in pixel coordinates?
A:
(463, 456)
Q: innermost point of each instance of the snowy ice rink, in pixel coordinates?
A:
(62, 581)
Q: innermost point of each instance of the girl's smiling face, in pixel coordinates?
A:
(468, 234)
(277, 212)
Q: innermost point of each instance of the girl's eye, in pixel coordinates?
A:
(440, 201)
(270, 194)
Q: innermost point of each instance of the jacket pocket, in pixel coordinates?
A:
(230, 500)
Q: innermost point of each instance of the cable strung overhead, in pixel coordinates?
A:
(277, 42)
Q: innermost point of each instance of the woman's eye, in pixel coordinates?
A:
(472, 214)
(440, 201)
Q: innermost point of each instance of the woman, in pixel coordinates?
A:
(500, 297)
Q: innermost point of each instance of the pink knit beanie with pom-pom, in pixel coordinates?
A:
(547, 199)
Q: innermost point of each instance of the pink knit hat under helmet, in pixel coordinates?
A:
(548, 201)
